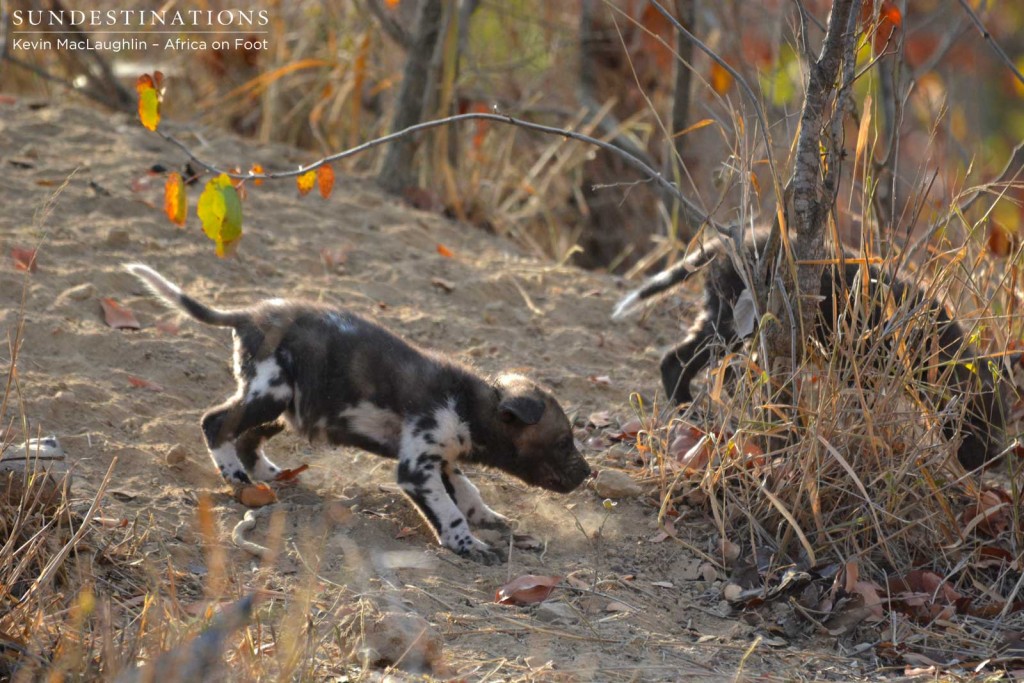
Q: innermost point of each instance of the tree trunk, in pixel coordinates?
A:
(398, 172)
(687, 14)
(811, 192)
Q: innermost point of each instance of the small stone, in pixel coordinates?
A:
(176, 455)
(616, 484)
(407, 641)
(118, 237)
(732, 592)
(555, 611)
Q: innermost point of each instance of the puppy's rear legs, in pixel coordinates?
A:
(234, 452)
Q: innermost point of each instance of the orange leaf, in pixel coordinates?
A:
(721, 79)
(258, 169)
(24, 259)
(305, 182)
(444, 251)
(325, 180)
(256, 495)
(886, 19)
(117, 316)
(392, 3)
(1000, 242)
(526, 590)
(288, 475)
(174, 199)
(140, 383)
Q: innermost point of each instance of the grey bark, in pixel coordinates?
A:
(811, 191)
(397, 171)
(687, 11)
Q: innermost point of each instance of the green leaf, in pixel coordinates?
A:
(220, 211)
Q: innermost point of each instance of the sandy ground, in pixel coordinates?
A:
(641, 610)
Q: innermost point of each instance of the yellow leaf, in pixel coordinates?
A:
(174, 199)
(149, 101)
(325, 180)
(862, 132)
(220, 211)
(305, 182)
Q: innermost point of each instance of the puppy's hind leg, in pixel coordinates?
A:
(236, 455)
(680, 365)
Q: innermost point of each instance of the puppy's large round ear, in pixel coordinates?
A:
(525, 409)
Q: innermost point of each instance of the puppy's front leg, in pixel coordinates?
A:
(467, 497)
(421, 460)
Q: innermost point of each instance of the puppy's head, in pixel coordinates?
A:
(544, 450)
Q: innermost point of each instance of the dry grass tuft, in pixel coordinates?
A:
(850, 491)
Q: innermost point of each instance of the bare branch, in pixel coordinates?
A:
(632, 160)
(996, 47)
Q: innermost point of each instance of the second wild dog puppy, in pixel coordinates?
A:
(335, 376)
(959, 368)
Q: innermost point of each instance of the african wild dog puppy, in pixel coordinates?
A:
(964, 374)
(335, 376)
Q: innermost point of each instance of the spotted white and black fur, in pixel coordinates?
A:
(965, 376)
(332, 375)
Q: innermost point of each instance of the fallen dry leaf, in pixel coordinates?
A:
(117, 316)
(526, 590)
(140, 383)
(334, 257)
(990, 515)
(288, 475)
(256, 495)
(444, 251)
(110, 522)
(24, 259)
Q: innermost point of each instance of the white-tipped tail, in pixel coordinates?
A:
(157, 283)
(627, 305)
(172, 295)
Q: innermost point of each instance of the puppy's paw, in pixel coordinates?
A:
(234, 475)
(499, 523)
(527, 542)
(486, 554)
(265, 470)
(470, 547)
